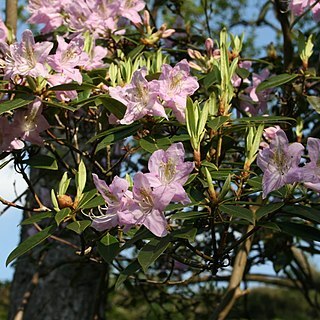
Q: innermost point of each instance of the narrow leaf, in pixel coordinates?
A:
(276, 81)
(238, 212)
(30, 243)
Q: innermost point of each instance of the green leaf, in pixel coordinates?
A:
(66, 106)
(64, 184)
(304, 212)
(314, 102)
(93, 203)
(128, 271)
(54, 200)
(151, 145)
(266, 209)
(86, 197)
(15, 104)
(242, 73)
(78, 226)
(300, 230)
(116, 107)
(42, 162)
(81, 178)
(276, 81)
(189, 215)
(72, 86)
(30, 243)
(152, 251)
(37, 217)
(217, 122)
(188, 233)
(108, 247)
(237, 212)
(121, 133)
(135, 52)
(61, 215)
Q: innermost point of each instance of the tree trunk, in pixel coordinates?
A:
(52, 282)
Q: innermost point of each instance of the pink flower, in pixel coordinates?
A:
(27, 58)
(311, 171)
(47, 13)
(118, 204)
(57, 79)
(8, 141)
(3, 32)
(169, 172)
(95, 58)
(261, 97)
(149, 206)
(300, 6)
(68, 57)
(175, 85)
(279, 163)
(28, 124)
(140, 98)
(129, 9)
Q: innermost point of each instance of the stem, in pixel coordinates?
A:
(12, 15)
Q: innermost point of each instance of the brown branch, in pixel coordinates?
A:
(233, 291)
(12, 15)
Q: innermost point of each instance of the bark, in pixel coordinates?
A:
(52, 282)
(233, 291)
(12, 15)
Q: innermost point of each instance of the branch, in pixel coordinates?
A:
(233, 291)
(12, 15)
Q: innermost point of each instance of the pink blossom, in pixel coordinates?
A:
(118, 204)
(96, 55)
(46, 12)
(298, 7)
(8, 141)
(311, 171)
(279, 163)
(68, 57)
(139, 97)
(27, 58)
(175, 85)
(58, 79)
(169, 172)
(129, 9)
(149, 205)
(3, 32)
(236, 80)
(28, 124)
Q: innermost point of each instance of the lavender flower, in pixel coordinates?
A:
(169, 172)
(140, 98)
(279, 163)
(149, 205)
(175, 85)
(27, 58)
(119, 202)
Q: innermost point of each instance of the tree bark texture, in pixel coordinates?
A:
(53, 282)
(12, 15)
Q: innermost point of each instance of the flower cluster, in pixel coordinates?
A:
(151, 193)
(149, 98)
(99, 17)
(280, 162)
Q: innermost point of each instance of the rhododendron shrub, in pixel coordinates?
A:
(192, 154)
